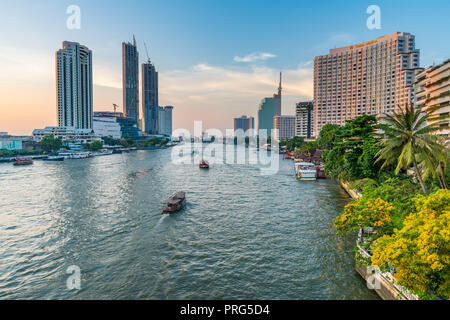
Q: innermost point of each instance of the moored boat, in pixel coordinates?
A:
(204, 164)
(305, 171)
(175, 203)
(54, 158)
(23, 161)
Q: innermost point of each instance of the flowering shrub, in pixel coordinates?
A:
(420, 251)
(364, 213)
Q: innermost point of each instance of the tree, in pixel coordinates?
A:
(50, 143)
(294, 143)
(420, 251)
(404, 135)
(95, 146)
(328, 136)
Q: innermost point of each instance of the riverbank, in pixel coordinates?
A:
(384, 284)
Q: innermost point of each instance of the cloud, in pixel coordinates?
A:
(254, 57)
(217, 94)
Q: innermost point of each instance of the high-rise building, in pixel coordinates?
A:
(244, 123)
(304, 120)
(432, 90)
(130, 78)
(150, 107)
(74, 86)
(284, 127)
(269, 108)
(165, 120)
(373, 77)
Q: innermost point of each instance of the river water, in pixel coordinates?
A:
(242, 235)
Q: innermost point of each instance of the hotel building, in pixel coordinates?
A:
(304, 120)
(284, 127)
(74, 86)
(432, 90)
(373, 77)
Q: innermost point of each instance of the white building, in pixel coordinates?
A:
(107, 127)
(432, 89)
(165, 121)
(304, 120)
(74, 86)
(373, 77)
(284, 127)
(66, 134)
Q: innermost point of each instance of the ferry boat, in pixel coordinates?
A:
(75, 155)
(305, 171)
(22, 161)
(175, 203)
(204, 164)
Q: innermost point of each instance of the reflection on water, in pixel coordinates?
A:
(241, 235)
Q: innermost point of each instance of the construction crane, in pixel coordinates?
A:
(146, 51)
(115, 107)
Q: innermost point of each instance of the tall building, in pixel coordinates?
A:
(373, 77)
(269, 108)
(165, 120)
(432, 90)
(244, 123)
(284, 127)
(150, 107)
(130, 78)
(304, 119)
(74, 86)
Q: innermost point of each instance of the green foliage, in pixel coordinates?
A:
(293, 144)
(110, 141)
(95, 146)
(328, 136)
(50, 143)
(16, 153)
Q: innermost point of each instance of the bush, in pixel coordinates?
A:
(420, 251)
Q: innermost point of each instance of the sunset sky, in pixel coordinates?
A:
(216, 59)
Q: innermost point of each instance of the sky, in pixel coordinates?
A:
(216, 59)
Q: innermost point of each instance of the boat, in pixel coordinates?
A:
(305, 171)
(23, 161)
(54, 158)
(175, 203)
(321, 171)
(75, 155)
(204, 164)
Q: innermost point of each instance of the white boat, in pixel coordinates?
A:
(75, 155)
(305, 171)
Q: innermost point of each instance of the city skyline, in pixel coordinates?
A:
(211, 74)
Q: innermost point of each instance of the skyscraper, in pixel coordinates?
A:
(244, 123)
(165, 121)
(304, 120)
(130, 78)
(269, 108)
(284, 127)
(150, 107)
(74, 86)
(373, 77)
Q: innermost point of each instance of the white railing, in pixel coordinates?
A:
(388, 276)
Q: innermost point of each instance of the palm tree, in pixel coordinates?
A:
(406, 137)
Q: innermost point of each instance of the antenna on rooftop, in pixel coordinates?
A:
(146, 51)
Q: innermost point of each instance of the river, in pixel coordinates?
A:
(242, 235)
